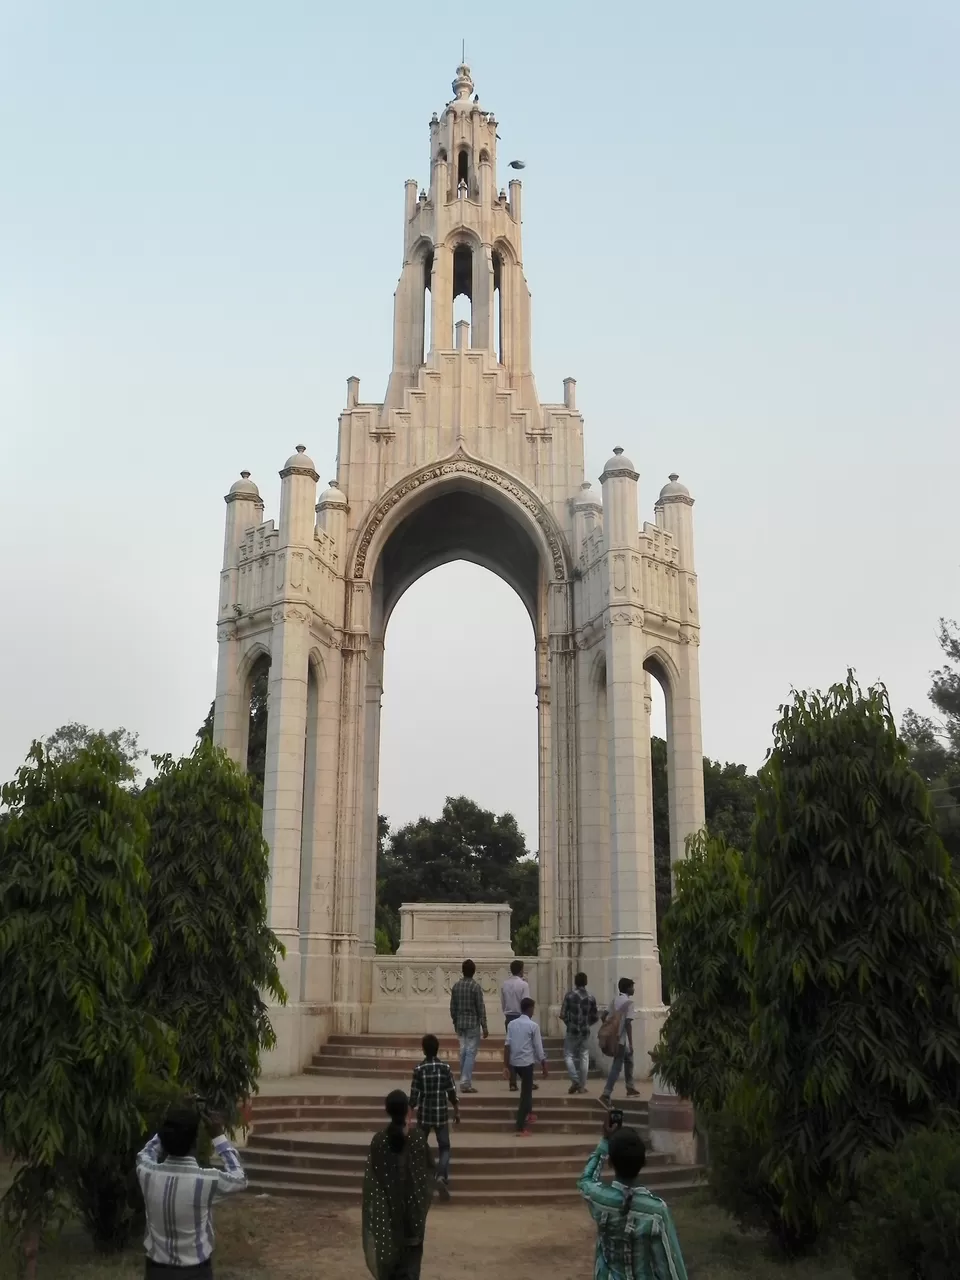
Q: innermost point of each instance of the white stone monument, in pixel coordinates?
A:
(462, 461)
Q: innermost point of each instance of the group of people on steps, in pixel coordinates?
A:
(636, 1237)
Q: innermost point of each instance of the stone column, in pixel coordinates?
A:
(633, 906)
(231, 712)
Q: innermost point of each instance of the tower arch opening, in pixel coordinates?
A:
(463, 283)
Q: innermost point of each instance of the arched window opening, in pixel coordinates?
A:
(463, 284)
(463, 174)
(660, 796)
(255, 755)
(427, 307)
(484, 156)
(498, 306)
(459, 662)
(442, 154)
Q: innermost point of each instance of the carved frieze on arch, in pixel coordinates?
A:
(463, 465)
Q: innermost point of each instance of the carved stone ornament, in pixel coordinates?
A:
(423, 982)
(622, 618)
(290, 615)
(460, 464)
(391, 982)
(227, 631)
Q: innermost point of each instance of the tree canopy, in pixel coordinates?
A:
(468, 854)
(853, 940)
(75, 1045)
(213, 956)
(934, 741)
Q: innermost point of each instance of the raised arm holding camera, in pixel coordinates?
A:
(636, 1237)
(179, 1194)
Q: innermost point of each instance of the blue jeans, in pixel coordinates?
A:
(443, 1146)
(623, 1061)
(469, 1044)
(576, 1054)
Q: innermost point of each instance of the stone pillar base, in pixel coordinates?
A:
(672, 1126)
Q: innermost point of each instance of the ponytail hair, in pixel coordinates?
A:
(397, 1105)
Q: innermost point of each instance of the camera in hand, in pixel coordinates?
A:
(616, 1118)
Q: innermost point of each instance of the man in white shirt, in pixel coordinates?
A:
(513, 992)
(622, 1005)
(523, 1049)
(179, 1195)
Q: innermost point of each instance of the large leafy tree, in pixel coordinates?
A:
(468, 854)
(934, 741)
(703, 1044)
(854, 942)
(214, 958)
(75, 1046)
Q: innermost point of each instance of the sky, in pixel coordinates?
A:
(740, 235)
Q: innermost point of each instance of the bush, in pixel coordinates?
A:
(853, 939)
(74, 1044)
(214, 957)
(704, 1040)
(906, 1221)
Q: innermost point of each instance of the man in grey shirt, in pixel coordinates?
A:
(513, 992)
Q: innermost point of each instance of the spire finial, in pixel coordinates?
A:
(463, 83)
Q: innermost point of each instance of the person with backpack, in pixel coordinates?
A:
(578, 1013)
(616, 1040)
(636, 1236)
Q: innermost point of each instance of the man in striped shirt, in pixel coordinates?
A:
(179, 1195)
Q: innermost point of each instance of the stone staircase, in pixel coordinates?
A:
(315, 1143)
(379, 1055)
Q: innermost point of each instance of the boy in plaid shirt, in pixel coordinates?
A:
(431, 1089)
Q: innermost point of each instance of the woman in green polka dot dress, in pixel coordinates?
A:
(398, 1184)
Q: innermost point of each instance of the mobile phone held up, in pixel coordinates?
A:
(616, 1118)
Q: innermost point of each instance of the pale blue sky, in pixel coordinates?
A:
(740, 233)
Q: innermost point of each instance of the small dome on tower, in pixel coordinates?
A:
(332, 495)
(300, 459)
(674, 489)
(619, 462)
(245, 487)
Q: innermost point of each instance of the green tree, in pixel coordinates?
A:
(729, 797)
(853, 936)
(75, 1046)
(67, 741)
(214, 958)
(934, 742)
(257, 732)
(703, 1044)
(468, 854)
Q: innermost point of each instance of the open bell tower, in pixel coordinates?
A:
(461, 461)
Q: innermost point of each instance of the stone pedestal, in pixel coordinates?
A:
(447, 930)
(672, 1124)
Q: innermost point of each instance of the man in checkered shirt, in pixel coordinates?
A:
(469, 1017)
(431, 1089)
(578, 1014)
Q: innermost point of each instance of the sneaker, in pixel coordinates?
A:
(443, 1188)
(524, 1133)
(633, 1093)
(536, 1086)
(531, 1118)
(467, 1088)
(605, 1099)
(513, 1088)
(582, 1089)
(575, 1088)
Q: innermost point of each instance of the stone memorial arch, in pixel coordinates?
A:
(461, 461)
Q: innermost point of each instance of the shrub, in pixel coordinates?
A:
(74, 1044)
(906, 1221)
(704, 1039)
(854, 942)
(214, 957)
